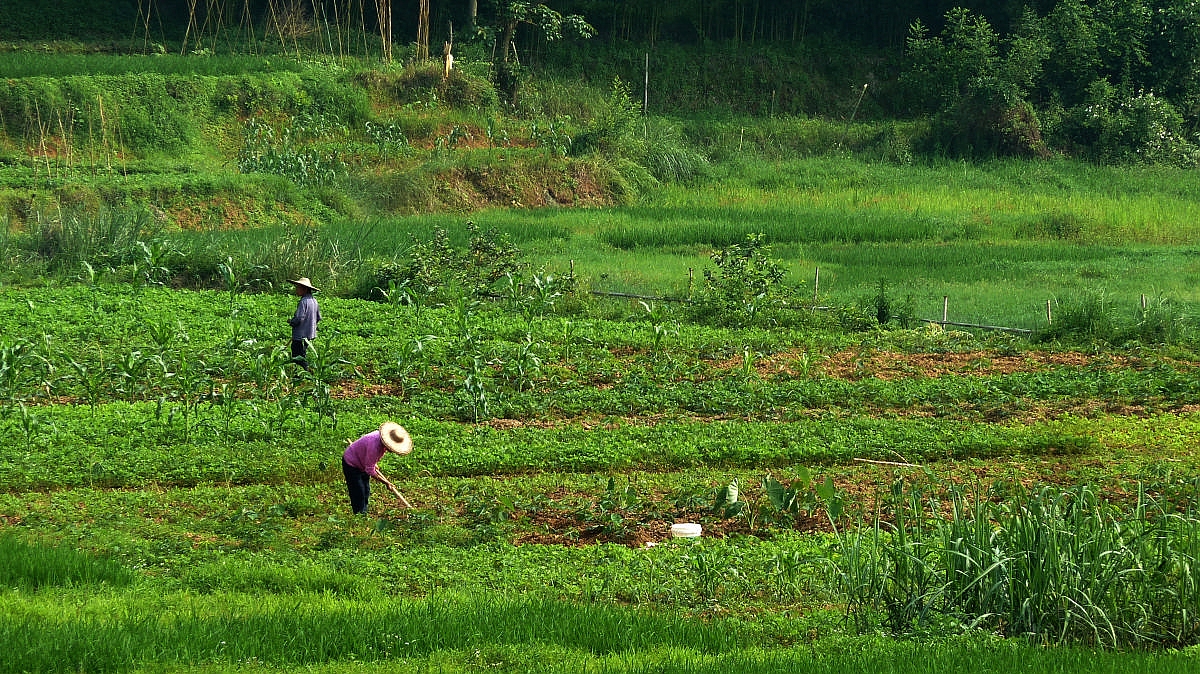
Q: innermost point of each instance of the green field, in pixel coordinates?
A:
(587, 349)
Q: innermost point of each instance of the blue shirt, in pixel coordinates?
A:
(304, 323)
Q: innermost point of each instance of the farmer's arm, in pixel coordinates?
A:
(299, 316)
(391, 487)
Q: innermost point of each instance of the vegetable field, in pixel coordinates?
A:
(173, 479)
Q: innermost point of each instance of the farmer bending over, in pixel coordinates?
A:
(360, 463)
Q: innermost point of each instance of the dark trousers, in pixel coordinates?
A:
(358, 485)
(299, 350)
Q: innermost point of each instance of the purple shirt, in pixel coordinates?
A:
(365, 452)
(304, 323)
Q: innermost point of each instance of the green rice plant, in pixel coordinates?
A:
(22, 64)
(289, 631)
(34, 566)
(1091, 316)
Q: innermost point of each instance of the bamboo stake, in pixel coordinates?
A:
(188, 31)
(888, 463)
(646, 88)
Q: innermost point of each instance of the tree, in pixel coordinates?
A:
(977, 93)
(551, 24)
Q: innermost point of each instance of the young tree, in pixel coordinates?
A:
(552, 25)
(977, 93)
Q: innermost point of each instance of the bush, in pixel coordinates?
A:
(423, 84)
(1094, 317)
(1113, 127)
(436, 270)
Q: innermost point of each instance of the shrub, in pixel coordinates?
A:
(422, 83)
(1116, 127)
(436, 269)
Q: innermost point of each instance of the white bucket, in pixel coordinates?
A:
(685, 530)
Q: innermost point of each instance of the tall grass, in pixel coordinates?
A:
(17, 64)
(1057, 566)
(65, 238)
(452, 633)
(32, 566)
(106, 634)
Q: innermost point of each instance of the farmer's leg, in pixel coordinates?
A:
(299, 350)
(358, 486)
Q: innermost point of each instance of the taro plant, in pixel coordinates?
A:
(727, 502)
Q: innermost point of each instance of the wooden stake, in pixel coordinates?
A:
(945, 308)
(887, 463)
(816, 286)
(1049, 316)
(646, 88)
(691, 282)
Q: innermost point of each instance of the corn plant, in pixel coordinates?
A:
(388, 138)
(23, 370)
(711, 568)
(91, 381)
(475, 388)
(411, 358)
(526, 364)
(325, 366)
(192, 386)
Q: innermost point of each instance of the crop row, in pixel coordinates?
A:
(472, 363)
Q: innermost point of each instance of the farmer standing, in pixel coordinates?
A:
(304, 322)
(360, 463)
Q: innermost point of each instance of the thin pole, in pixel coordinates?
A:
(1049, 317)
(945, 308)
(691, 281)
(816, 285)
(1143, 301)
(646, 88)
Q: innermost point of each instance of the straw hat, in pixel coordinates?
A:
(303, 281)
(395, 438)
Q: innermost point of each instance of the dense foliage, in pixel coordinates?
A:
(1107, 81)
